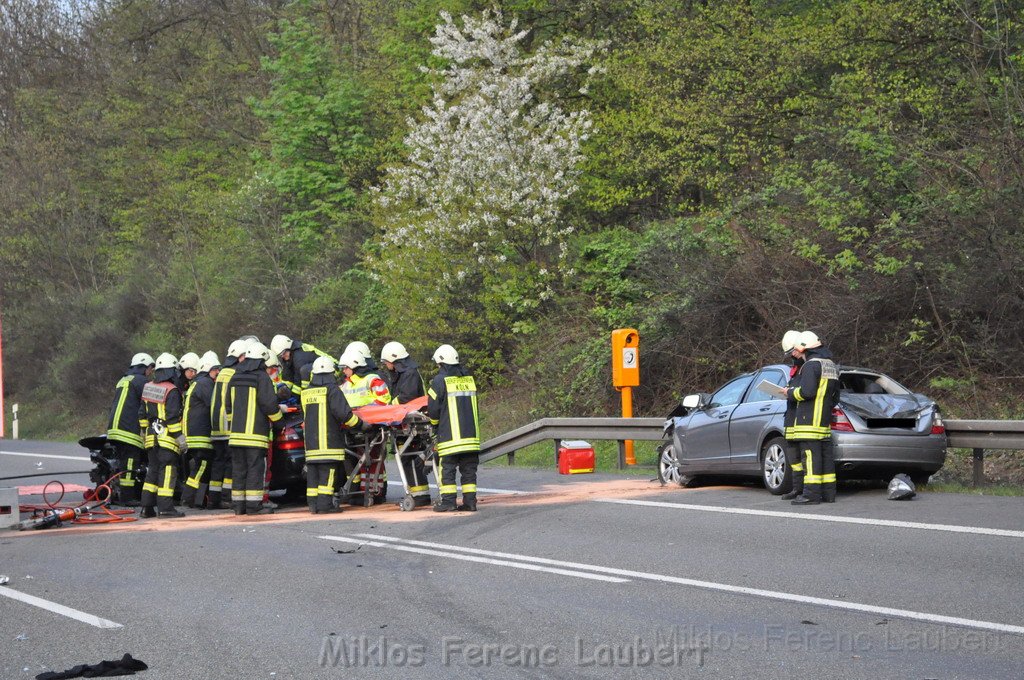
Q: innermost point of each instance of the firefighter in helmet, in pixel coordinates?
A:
(452, 409)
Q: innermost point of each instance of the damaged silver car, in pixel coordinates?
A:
(879, 428)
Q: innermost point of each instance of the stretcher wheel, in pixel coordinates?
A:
(408, 503)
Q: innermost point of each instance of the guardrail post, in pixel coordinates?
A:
(622, 455)
(558, 445)
(979, 467)
(511, 457)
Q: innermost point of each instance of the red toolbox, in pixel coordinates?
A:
(575, 457)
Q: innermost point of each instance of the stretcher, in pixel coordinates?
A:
(410, 435)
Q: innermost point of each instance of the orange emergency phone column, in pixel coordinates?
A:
(626, 374)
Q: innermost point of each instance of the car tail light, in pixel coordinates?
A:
(289, 445)
(840, 423)
(938, 427)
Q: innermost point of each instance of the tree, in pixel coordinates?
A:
(475, 207)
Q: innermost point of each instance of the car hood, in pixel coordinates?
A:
(885, 405)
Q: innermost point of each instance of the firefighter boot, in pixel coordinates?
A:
(798, 486)
(828, 493)
(446, 504)
(213, 501)
(147, 511)
(239, 507)
(468, 502)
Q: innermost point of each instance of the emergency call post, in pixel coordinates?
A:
(626, 374)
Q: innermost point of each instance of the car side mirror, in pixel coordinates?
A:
(692, 401)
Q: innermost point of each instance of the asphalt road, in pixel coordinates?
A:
(560, 577)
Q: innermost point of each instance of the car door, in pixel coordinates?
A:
(752, 417)
(706, 437)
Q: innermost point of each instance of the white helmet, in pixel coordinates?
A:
(237, 348)
(208, 362)
(323, 365)
(808, 340)
(189, 360)
(257, 350)
(789, 341)
(165, 360)
(446, 354)
(273, 361)
(142, 359)
(361, 347)
(393, 351)
(280, 343)
(352, 358)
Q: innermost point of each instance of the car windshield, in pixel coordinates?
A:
(731, 393)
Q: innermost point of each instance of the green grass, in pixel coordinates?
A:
(993, 490)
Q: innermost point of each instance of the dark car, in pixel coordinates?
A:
(879, 428)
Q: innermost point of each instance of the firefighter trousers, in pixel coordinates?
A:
(465, 464)
(220, 474)
(128, 460)
(820, 469)
(248, 472)
(795, 460)
(321, 478)
(194, 492)
(161, 476)
(416, 474)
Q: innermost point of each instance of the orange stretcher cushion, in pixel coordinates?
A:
(393, 414)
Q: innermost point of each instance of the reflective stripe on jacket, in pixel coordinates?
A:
(198, 427)
(325, 412)
(252, 404)
(124, 424)
(815, 395)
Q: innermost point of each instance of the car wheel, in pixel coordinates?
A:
(669, 471)
(778, 478)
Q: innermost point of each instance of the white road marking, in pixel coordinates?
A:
(91, 619)
(955, 528)
(471, 558)
(724, 587)
(44, 455)
(484, 489)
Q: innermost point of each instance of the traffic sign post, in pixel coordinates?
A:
(626, 376)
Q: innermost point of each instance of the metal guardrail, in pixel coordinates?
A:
(978, 435)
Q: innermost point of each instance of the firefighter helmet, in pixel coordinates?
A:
(789, 341)
(352, 358)
(209, 362)
(446, 354)
(142, 359)
(361, 347)
(189, 360)
(280, 343)
(323, 365)
(165, 360)
(257, 350)
(393, 351)
(237, 348)
(808, 340)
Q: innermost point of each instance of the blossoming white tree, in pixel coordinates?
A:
(476, 204)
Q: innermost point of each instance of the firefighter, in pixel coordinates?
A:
(296, 361)
(124, 428)
(252, 405)
(793, 455)
(814, 396)
(162, 405)
(406, 384)
(198, 430)
(326, 412)
(220, 466)
(452, 409)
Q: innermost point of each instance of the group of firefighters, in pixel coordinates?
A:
(812, 393)
(221, 416)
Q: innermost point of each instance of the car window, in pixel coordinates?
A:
(731, 393)
(772, 376)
